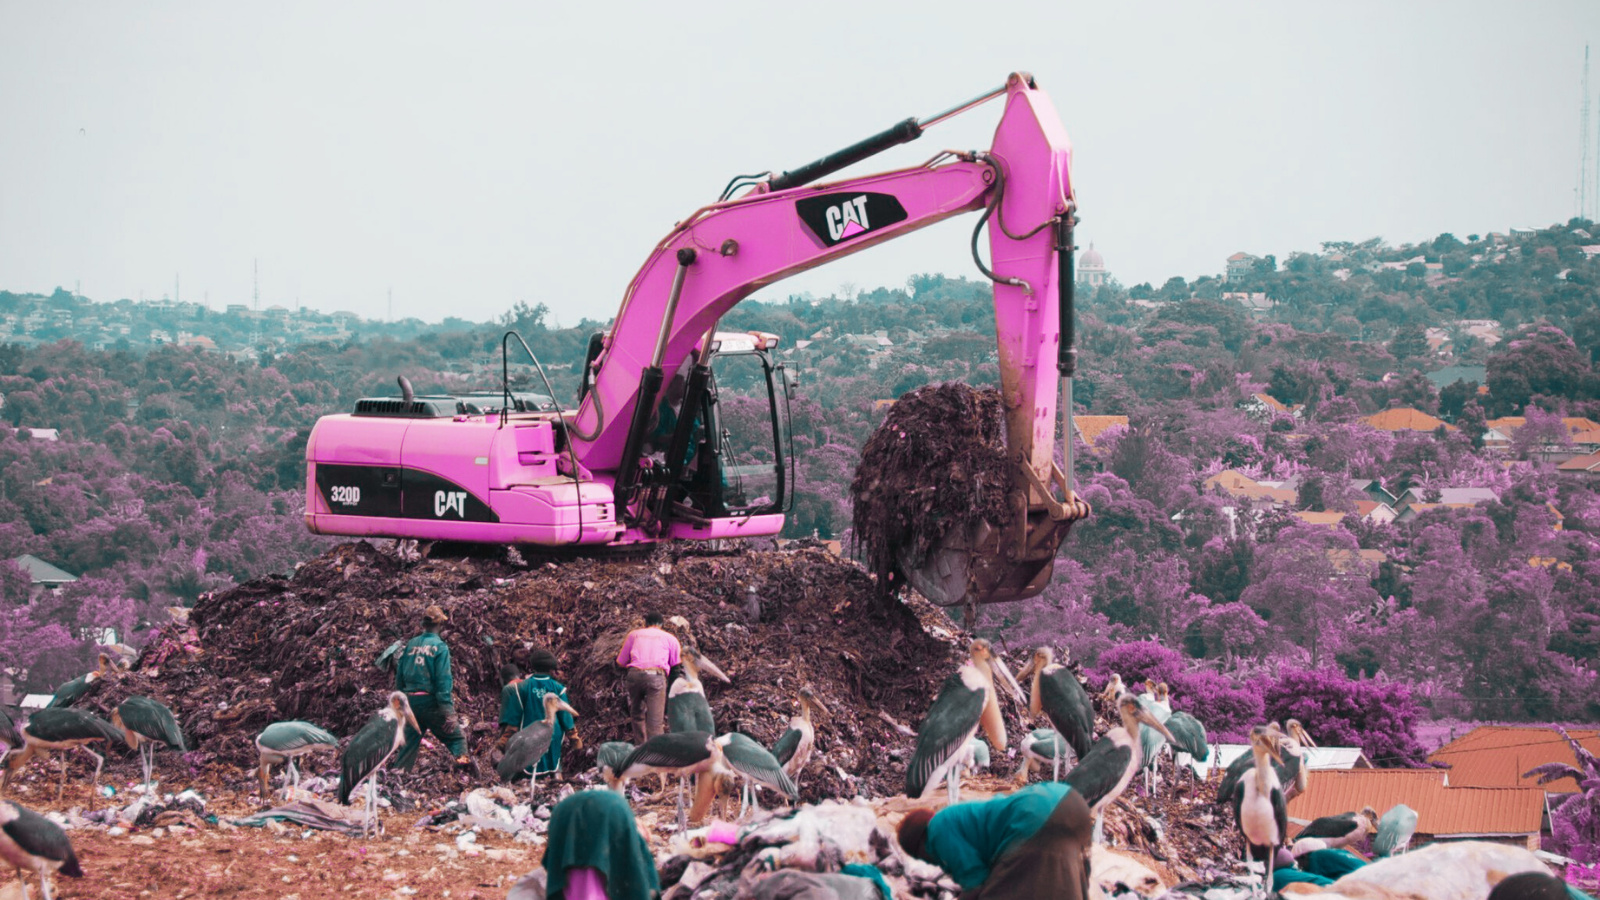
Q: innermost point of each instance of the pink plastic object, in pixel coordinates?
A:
(722, 833)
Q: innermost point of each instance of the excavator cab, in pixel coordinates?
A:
(737, 453)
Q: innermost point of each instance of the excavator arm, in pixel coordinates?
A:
(724, 252)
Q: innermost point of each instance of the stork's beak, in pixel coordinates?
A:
(710, 668)
(817, 702)
(1011, 683)
(1033, 663)
(1302, 736)
(562, 704)
(411, 719)
(1149, 718)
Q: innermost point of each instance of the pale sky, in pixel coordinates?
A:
(469, 155)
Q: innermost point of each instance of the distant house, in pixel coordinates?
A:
(1356, 562)
(1089, 428)
(1588, 464)
(1317, 759)
(44, 434)
(1329, 519)
(1266, 407)
(1404, 418)
(1414, 501)
(1374, 490)
(1446, 810)
(1239, 266)
(42, 576)
(1501, 431)
(1257, 495)
(1373, 511)
(1443, 378)
(1255, 303)
(1496, 756)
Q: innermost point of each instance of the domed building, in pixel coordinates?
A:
(1091, 268)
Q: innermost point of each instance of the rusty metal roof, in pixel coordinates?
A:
(1497, 755)
(1441, 809)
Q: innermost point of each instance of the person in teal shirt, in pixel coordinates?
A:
(530, 695)
(423, 675)
(1032, 843)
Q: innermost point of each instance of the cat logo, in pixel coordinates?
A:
(848, 219)
(444, 501)
(835, 218)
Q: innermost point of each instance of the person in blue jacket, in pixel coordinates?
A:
(530, 693)
(1032, 843)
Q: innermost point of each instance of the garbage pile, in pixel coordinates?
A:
(305, 647)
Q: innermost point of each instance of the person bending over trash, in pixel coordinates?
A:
(530, 700)
(647, 654)
(1032, 843)
(594, 850)
(423, 674)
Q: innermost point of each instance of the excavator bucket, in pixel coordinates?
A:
(984, 564)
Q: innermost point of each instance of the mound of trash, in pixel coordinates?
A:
(937, 464)
(306, 647)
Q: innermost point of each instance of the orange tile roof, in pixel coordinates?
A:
(1441, 808)
(1230, 480)
(1585, 463)
(1330, 518)
(1272, 402)
(1508, 425)
(1091, 427)
(1589, 437)
(1497, 755)
(1404, 418)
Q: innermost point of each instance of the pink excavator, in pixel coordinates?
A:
(681, 431)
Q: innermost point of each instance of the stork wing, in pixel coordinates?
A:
(153, 720)
(1150, 744)
(612, 754)
(1280, 815)
(1100, 770)
(69, 693)
(1069, 708)
(40, 837)
(1330, 826)
(752, 760)
(1241, 764)
(287, 736)
(367, 751)
(672, 750)
(8, 730)
(1190, 734)
(689, 712)
(785, 748)
(70, 725)
(952, 719)
(524, 749)
(1395, 828)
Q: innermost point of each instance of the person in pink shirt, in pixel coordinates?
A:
(647, 654)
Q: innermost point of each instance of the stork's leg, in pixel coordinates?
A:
(147, 760)
(61, 786)
(1099, 835)
(294, 777)
(45, 888)
(683, 814)
(1055, 771)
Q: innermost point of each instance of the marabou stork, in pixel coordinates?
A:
(30, 842)
(10, 735)
(681, 753)
(61, 729)
(967, 700)
(286, 742)
(1045, 746)
(145, 723)
(754, 765)
(1395, 831)
(687, 708)
(1112, 692)
(1161, 696)
(1259, 807)
(1189, 739)
(73, 691)
(527, 746)
(794, 746)
(1058, 694)
(1343, 829)
(1151, 744)
(609, 758)
(1292, 772)
(1109, 766)
(371, 749)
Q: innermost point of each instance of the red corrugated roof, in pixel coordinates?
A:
(1404, 418)
(1497, 755)
(1091, 427)
(1441, 809)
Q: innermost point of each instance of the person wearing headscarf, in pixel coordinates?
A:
(1031, 843)
(593, 851)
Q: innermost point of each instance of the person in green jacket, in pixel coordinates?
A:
(530, 695)
(1032, 843)
(423, 674)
